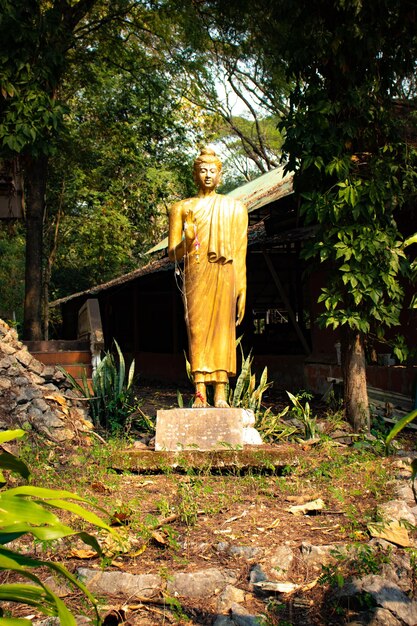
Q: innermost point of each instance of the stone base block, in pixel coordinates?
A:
(201, 429)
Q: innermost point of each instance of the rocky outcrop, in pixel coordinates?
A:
(36, 396)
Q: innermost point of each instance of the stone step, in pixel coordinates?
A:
(269, 459)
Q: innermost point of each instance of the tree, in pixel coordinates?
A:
(49, 52)
(34, 43)
(346, 62)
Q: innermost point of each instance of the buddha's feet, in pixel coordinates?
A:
(200, 401)
(221, 404)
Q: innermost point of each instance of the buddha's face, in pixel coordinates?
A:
(207, 176)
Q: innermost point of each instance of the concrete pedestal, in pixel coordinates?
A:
(203, 429)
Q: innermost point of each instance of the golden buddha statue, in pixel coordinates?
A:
(209, 232)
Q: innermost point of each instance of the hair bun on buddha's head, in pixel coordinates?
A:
(206, 151)
(207, 155)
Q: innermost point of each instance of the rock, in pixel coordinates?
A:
(40, 404)
(53, 419)
(24, 357)
(268, 586)
(251, 437)
(257, 574)
(242, 617)
(246, 552)
(229, 596)
(58, 586)
(49, 621)
(121, 583)
(391, 531)
(36, 367)
(224, 620)
(200, 584)
(6, 362)
(379, 617)
(37, 380)
(385, 594)
(405, 493)
(280, 562)
(34, 414)
(5, 383)
(320, 555)
(26, 394)
(396, 510)
(8, 349)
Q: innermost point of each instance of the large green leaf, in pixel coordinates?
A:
(40, 597)
(44, 492)
(10, 560)
(15, 621)
(43, 533)
(80, 512)
(11, 462)
(397, 428)
(8, 435)
(16, 510)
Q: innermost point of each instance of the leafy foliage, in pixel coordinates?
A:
(348, 141)
(246, 393)
(30, 510)
(11, 272)
(111, 396)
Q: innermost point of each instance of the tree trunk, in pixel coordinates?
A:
(354, 380)
(50, 260)
(35, 170)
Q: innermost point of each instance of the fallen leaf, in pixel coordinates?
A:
(114, 617)
(100, 488)
(309, 586)
(138, 552)
(159, 537)
(308, 507)
(235, 517)
(268, 585)
(57, 398)
(82, 554)
(274, 524)
(120, 518)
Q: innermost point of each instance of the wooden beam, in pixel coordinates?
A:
(286, 302)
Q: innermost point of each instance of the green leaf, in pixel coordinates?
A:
(80, 512)
(11, 462)
(402, 423)
(8, 435)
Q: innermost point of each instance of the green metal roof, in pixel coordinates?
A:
(254, 194)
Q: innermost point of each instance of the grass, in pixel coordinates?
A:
(172, 522)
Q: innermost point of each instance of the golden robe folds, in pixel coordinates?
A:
(214, 274)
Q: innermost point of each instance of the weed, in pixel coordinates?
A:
(303, 413)
(357, 560)
(188, 493)
(272, 427)
(164, 507)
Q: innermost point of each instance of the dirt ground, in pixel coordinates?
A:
(180, 522)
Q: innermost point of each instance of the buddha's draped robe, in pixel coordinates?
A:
(214, 274)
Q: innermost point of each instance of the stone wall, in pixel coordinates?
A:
(36, 396)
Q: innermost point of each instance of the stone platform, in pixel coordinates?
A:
(260, 459)
(204, 429)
